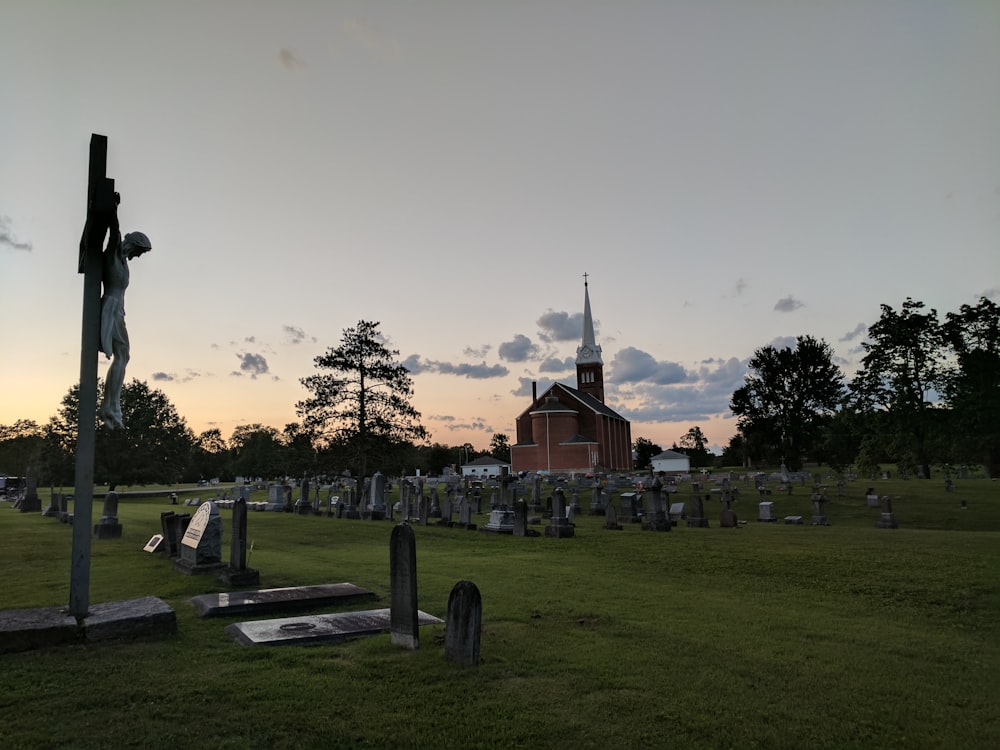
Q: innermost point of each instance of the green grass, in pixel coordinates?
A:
(765, 636)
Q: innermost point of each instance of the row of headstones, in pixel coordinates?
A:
(194, 543)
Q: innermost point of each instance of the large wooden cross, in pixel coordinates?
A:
(101, 201)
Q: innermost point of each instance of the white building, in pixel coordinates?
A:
(485, 466)
(671, 462)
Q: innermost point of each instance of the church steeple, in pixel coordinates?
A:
(589, 364)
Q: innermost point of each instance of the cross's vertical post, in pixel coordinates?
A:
(100, 196)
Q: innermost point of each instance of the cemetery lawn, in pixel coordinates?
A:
(768, 635)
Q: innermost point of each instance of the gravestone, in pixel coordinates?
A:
(435, 502)
(377, 497)
(677, 512)
(888, 520)
(765, 512)
(871, 498)
(276, 497)
(611, 518)
(108, 527)
(630, 513)
(819, 518)
(174, 527)
(598, 500)
(404, 623)
(560, 526)
(696, 512)
(302, 506)
(654, 519)
(238, 574)
(201, 546)
(465, 515)
(445, 513)
(425, 510)
(55, 500)
(31, 503)
(503, 521)
(727, 519)
(464, 625)
(156, 543)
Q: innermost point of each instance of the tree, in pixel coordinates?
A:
(257, 451)
(20, 446)
(644, 449)
(210, 456)
(500, 446)
(361, 396)
(153, 445)
(300, 455)
(972, 385)
(787, 396)
(694, 445)
(900, 372)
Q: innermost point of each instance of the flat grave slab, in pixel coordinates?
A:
(318, 629)
(272, 601)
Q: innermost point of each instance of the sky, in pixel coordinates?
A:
(729, 174)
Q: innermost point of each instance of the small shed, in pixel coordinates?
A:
(671, 462)
(484, 466)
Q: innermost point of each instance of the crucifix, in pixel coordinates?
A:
(103, 329)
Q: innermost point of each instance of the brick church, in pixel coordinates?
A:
(570, 429)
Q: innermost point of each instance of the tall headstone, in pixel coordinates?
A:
(464, 625)
(654, 518)
(31, 502)
(377, 495)
(765, 512)
(404, 623)
(302, 506)
(560, 526)
(696, 512)
(238, 574)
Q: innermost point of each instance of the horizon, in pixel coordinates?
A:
(730, 177)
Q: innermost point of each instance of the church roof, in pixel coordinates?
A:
(668, 455)
(585, 400)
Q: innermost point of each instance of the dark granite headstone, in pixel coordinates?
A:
(464, 624)
(201, 545)
(403, 587)
(238, 574)
(611, 518)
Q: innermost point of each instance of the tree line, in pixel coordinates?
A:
(927, 392)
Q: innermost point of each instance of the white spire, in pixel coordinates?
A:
(588, 351)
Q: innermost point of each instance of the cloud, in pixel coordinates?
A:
(632, 365)
(252, 365)
(289, 61)
(297, 335)
(554, 364)
(704, 395)
(520, 349)
(477, 353)
(859, 329)
(741, 285)
(482, 371)
(523, 389)
(171, 377)
(787, 304)
(8, 238)
(560, 326)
